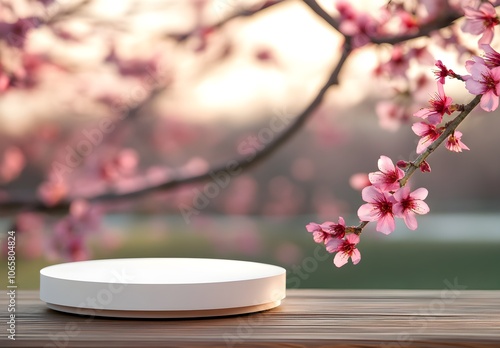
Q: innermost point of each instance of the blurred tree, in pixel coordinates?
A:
(96, 97)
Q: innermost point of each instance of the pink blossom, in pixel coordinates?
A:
(319, 234)
(359, 25)
(4, 81)
(485, 81)
(69, 240)
(422, 55)
(12, 164)
(322, 233)
(408, 204)
(399, 63)
(443, 72)
(440, 105)
(52, 192)
(481, 21)
(359, 181)
(409, 21)
(428, 133)
(454, 143)
(390, 115)
(345, 248)
(378, 208)
(387, 179)
(122, 164)
(335, 230)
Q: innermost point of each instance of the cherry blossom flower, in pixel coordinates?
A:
(4, 81)
(122, 164)
(321, 233)
(387, 179)
(410, 203)
(390, 115)
(399, 63)
(345, 248)
(69, 240)
(485, 81)
(378, 208)
(12, 164)
(440, 105)
(335, 230)
(443, 72)
(481, 21)
(428, 133)
(409, 21)
(454, 143)
(52, 192)
(360, 26)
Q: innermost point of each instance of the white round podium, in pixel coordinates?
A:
(162, 287)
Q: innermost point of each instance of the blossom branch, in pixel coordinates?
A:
(416, 164)
(450, 128)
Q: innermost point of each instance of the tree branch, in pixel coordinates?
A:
(242, 13)
(448, 17)
(242, 162)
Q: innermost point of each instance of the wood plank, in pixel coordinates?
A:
(306, 318)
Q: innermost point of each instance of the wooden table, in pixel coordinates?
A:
(306, 318)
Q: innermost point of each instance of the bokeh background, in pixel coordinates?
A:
(209, 93)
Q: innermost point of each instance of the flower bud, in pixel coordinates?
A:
(425, 167)
(402, 164)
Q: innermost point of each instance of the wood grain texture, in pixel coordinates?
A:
(306, 318)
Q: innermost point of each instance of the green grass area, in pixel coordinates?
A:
(385, 264)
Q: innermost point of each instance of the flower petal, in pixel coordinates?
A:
(371, 194)
(340, 259)
(319, 236)
(410, 220)
(420, 128)
(420, 193)
(398, 209)
(352, 238)
(385, 164)
(402, 193)
(474, 87)
(420, 207)
(333, 245)
(356, 256)
(489, 101)
(386, 224)
(487, 36)
(312, 226)
(367, 212)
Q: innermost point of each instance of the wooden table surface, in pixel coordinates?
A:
(306, 318)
